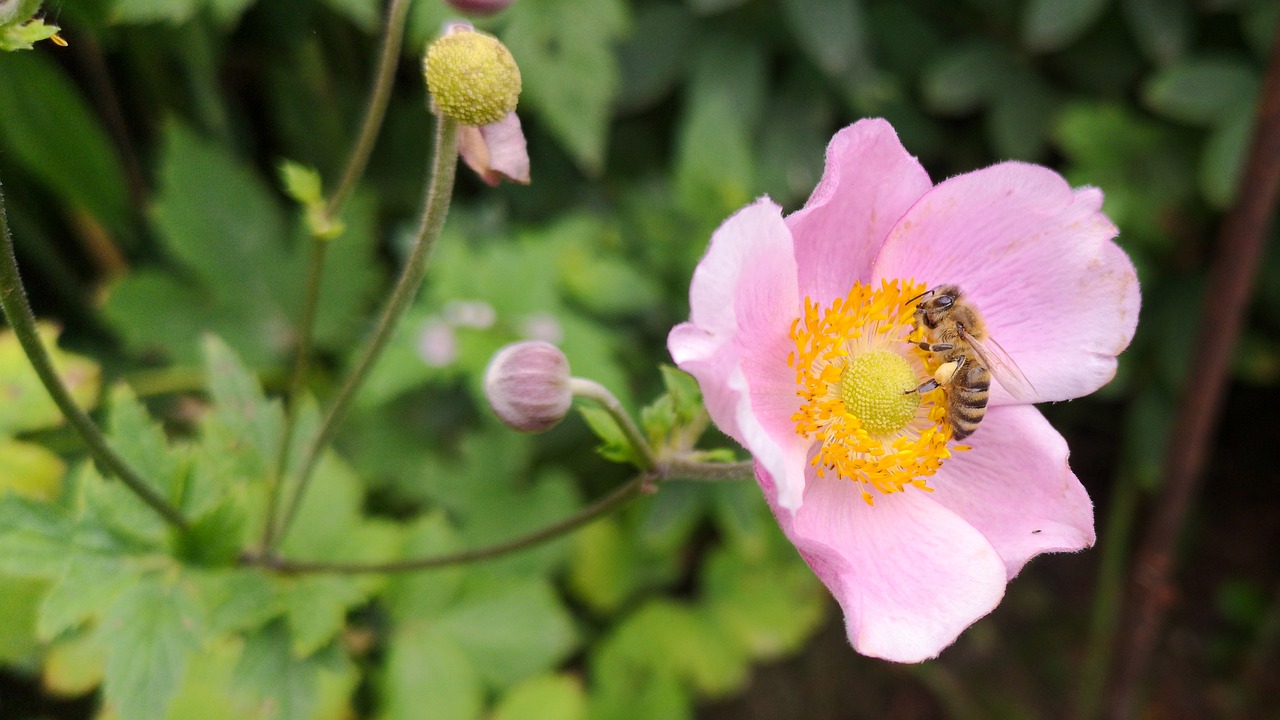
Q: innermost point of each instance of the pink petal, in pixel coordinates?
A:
(496, 151)
(909, 574)
(742, 301)
(869, 182)
(1016, 488)
(1037, 259)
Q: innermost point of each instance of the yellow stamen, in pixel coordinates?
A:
(856, 372)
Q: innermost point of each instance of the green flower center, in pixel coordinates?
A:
(874, 389)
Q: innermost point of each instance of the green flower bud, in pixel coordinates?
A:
(472, 77)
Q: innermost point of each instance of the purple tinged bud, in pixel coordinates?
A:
(479, 7)
(527, 385)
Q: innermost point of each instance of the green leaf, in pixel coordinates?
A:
(1049, 25)
(240, 601)
(616, 446)
(20, 598)
(35, 537)
(544, 697)
(564, 49)
(965, 79)
(47, 127)
(413, 595)
(834, 34)
(152, 630)
(714, 169)
(1021, 118)
(1203, 91)
(269, 673)
(248, 424)
(29, 470)
(302, 183)
(769, 605)
(174, 12)
(510, 628)
(607, 568)
(317, 609)
(142, 443)
(1162, 28)
(85, 590)
(27, 405)
(364, 13)
(1222, 163)
(654, 57)
(429, 677)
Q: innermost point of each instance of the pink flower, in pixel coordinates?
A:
(799, 339)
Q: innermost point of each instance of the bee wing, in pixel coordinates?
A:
(1002, 367)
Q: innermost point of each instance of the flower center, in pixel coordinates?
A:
(856, 368)
(875, 387)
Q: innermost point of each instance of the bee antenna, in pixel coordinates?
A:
(926, 292)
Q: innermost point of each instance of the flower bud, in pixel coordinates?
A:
(472, 77)
(527, 385)
(480, 7)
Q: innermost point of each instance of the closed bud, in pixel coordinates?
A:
(472, 77)
(527, 385)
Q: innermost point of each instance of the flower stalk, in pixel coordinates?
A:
(17, 310)
(436, 208)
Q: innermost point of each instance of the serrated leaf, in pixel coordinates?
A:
(240, 601)
(142, 443)
(616, 446)
(684, 391)
(47, 127)
(510, 628)
(252, 423)
(429, 677)
(27, 405)
(564, 48)
(35, 537)
(317, 609)
(270, 674)
(152, 630)
(85, 590)
(544, 697)
(1049, 25)
(1202, 91)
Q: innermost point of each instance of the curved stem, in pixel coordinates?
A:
(439, 192)
(1241, 240)
(593, 390)
(13, 298)
(619, 496)
(375, 110)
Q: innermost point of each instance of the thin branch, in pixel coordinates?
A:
(13, 298)
(1241, 240)
(375, 109)
(614, 499)
(438, 196)
(592, 390)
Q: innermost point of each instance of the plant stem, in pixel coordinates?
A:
(681, 469)
(1241, 239)
(619, 496)
(593, 390)
(357, 160)
(438, 195)
(13, 298)
(375, 109)
(297, 378)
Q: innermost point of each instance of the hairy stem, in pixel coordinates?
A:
(614, 499)
(593, 390)
(375, 108)
(13, 298)
(438, 195)
(1241, 239)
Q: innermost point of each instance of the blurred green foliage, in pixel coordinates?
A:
(141, 168)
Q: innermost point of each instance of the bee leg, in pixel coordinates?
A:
(924, 387)
(938, 347)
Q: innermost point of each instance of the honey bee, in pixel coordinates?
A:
(957, 335)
